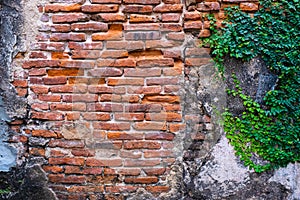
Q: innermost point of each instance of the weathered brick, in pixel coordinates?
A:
(137, 9)
(125, 81)
(142, 1)
(249, 6)
(103, 162)
(91, 26)
(114, 54)
(53, 116)
(142, 27)
(53, 8)
(111, 126)
(109, 17)
(105, 107)
(53, 169)
(105, 72)
(96, 116)
(197, 61)
(39, 89)
(170, 17)
(86, 54)
(130, 154)
(106, 1)
(143, 108)
(158, 153)
(158, 189)
(124, 136)
(144, 90)
(53, 46)
(68, 89)
(208, 6)
(37, 72)
(54, 80)
(58, 37)
(64, 28)
(68, 106)
(83, 152)
(66, 143)
(159, 136)
(86, 45)
(154, 171)
(66, 161)
(152, 35)
(121, 189)
(151, 126)
(130, 45)
(163, 62)
(129, 116)
(60, 178)
(99, 8)
(37, 152)
(69, 18)
(141, 180)
(162, 98)
(163, 117)
(141, 145)
(138, 72)
(163, 8)
(106, 90)
(77, 64)
(141, 163)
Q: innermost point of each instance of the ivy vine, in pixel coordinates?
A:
(264, 137)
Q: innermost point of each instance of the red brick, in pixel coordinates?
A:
(138, 72)
(105, 107)
(176, 127)
(171, 27)
(66, 161)
(83, 152)
(121, 189)
(103, 162)
(150, 126)
(136, 18)
(142, 27)
(39, 89)
(141, 163)
(99, 8)
(119, 98)
(53, 169)
(144, 90)
(86, 45)
(249, 6)
(109, 17)
(195, 15)
(163, 8)
(124, 136)
(164, 62)
(193, 25)
(106, 90)
(68, 89)
(44, 133)
(154, 171)
(162, 98)
(131, 154)
(197, 61)
(57, 153)
(40, 106)
(129, 116)
(37, 151)
(123, 62)
(114, 54)
(55, 80)
(70, 18)
(208, 6)
(66, 143)
(37, 72)
(137, 9)
(96, 116)
(158, 189)
(170, 17)
(58, 37)
(49, 98)
(36, 55)
(141, 145)
(73, 116)
(105, 72)
(143, 108)
(60, 178)
(142, 1)
(40, 64)
(47, 116)
(111, 126)
(61, 28)
(91, 26)
(53, 8)
(152, 44)
(68, 106)
(57, 46)
(159, 136)
(77, 64)
(130, 45)
(141, 180)
(158, 154)
(86, 54)
(176, 36)
(86, 189)
(125, 81)
(80, 98)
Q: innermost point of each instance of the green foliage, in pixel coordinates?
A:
(264, 138)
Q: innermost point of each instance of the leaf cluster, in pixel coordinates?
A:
(269, 137)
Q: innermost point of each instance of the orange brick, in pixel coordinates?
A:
(125, 81)
(124, 136)
(99, 8)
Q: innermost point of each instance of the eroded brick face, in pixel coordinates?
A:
(104, 82)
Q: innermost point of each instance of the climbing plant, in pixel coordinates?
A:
(264, 137)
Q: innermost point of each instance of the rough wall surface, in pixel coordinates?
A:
(123, 103)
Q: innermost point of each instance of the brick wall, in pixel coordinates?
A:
(106, 82)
